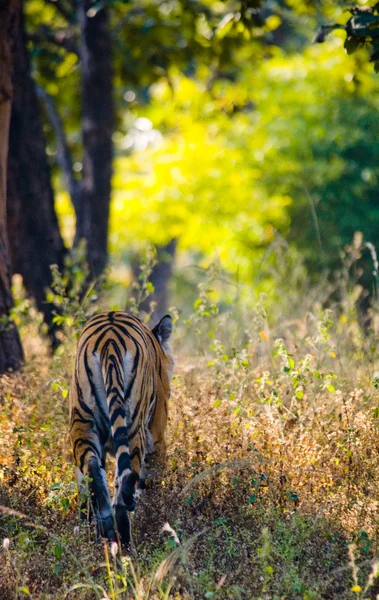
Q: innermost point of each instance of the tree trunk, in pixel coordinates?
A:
(97, 129)
(34, 236)
(11, 354)
(160, 278)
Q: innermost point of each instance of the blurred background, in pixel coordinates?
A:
(187, 141)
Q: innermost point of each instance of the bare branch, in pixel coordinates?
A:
(64, 154)
(64, 38)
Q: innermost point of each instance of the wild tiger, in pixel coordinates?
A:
(118, 404)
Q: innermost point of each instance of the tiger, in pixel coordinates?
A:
(119, 405)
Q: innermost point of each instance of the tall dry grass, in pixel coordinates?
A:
(270, 489)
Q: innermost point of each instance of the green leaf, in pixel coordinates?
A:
(363, 24)
(294, 497)
(351, 44)
(25, 590)
(58, 319)
(65, 502)
(225, 26)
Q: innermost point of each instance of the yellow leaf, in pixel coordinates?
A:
(332, 354)
(264, 336)
(272, 23)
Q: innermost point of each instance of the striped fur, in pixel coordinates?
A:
(118, 404)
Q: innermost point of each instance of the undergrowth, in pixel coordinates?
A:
(270, 488)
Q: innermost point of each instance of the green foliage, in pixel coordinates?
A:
(71, 292)
(242, 163)
(232, 145)
(149, 40)
(362, 29)
(141, 288)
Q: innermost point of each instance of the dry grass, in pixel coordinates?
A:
(272, 471)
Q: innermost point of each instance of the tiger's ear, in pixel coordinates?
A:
(163, 330)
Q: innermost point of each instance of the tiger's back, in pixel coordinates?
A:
(118, 404)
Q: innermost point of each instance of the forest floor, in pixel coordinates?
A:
(271, 482)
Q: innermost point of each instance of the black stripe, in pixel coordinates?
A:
(80, 419)
(119, 337)
(123, 463)
(82, 404)
(94, 319)
(134, 432)
(90, 447)
(114, 367)
(120, 438)
(136, 453)
(118, 412)
(115, 400)
(100, 338)
(83, 342)
(103, 414)
(115, 391)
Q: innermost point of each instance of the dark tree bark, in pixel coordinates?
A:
(34, 236)
(11, 355)
(160, 278)
(97, 128)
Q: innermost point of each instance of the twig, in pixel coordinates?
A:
(64, 154)
(315, 221)
(63, 39)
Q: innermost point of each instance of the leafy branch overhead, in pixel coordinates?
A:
(362, 29)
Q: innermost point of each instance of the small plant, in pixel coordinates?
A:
(141, 288)
(360, 591)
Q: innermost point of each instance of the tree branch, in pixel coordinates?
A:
(61, 8)
(63, 39)
(64, 154)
